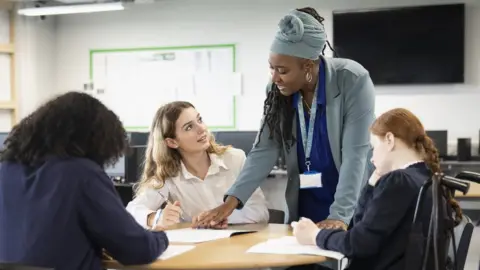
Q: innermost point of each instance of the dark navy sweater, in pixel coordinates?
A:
(62, 214)
(382, 223)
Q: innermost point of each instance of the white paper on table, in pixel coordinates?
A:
(175, 250)
(290, 245)
(190, 235)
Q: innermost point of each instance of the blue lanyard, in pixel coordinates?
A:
(307, 139)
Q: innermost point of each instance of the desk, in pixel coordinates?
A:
(473, 192)
(453, 167)
(230, 253)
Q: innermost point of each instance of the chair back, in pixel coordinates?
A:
(276, 216)
(463, 233)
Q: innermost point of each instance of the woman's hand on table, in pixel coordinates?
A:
(332, 224)
(195, 221)
(217, 216)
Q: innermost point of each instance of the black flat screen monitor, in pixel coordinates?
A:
(239, 139)
(440, 139)
(409, 45)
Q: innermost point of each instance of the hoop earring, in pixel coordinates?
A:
(308, 77)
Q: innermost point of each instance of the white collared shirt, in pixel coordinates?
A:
(196, 195)
(374, 178)
(412, 163)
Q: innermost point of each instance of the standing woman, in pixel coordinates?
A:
(318, 111)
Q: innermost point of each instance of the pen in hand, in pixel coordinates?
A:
(176, 203)
(168, 214)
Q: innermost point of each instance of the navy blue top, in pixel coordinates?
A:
(61, 214)
(382, 222)
(314, 203)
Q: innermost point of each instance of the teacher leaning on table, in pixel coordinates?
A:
(318, 111)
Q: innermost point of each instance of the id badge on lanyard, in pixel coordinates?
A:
(310, 178)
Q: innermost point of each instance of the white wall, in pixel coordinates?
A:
(251, 26)
(36, 61)
(35, 64)
(4, 70)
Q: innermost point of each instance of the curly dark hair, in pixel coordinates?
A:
(70, 125)
(276, 104)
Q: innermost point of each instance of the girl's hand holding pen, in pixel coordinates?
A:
(171, 215)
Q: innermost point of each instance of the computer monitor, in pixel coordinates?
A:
(135, 139)
(134, 162)
(479, 142)
(440, 139)
(118, 169)
(244, 140)
(239, 139)
(3, 136)
(138, 138)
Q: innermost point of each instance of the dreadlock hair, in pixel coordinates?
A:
(274, 105)
(277, 104)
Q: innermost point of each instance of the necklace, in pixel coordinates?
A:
(306, 105)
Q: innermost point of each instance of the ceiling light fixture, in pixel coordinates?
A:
(71, 9)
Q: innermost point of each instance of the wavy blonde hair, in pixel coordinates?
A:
(161, 161)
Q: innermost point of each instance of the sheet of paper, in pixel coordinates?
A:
(175, 250)
(289, 245)
(190, 235)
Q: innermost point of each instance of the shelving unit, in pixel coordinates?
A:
(12, 104)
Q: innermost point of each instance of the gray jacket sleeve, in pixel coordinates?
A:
(258, 165)
(359, 114)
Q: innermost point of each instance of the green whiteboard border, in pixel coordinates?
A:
(141, 128)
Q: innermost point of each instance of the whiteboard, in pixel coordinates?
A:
(134, 83)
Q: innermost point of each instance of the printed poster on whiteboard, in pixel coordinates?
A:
(134, 84)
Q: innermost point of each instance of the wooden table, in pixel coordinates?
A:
(473, 192)
(230, 253)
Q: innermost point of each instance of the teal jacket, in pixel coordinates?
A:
(350, 98)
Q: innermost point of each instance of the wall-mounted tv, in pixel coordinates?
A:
(408, 45)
